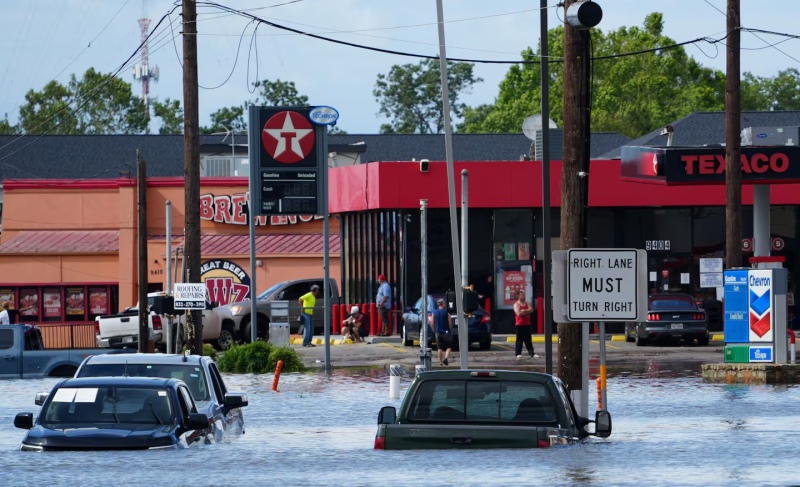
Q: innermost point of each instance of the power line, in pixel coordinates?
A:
(426, 56)
(87, 98)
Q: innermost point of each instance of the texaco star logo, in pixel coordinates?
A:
(288, 137)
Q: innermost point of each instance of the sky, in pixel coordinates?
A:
(51, 39)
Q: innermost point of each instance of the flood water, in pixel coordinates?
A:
(669, 429)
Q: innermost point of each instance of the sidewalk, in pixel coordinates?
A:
(338, 340)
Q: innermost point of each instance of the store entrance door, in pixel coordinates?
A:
(672, 272)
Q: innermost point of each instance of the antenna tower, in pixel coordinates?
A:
(143, 71)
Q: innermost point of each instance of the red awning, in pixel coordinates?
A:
(89, 241)
(303, 243)
(309, 243)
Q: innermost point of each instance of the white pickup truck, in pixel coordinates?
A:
(122, 329)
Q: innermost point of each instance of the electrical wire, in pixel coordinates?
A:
(235, 61)
(247, 78)
(87, 98)
(425, 56)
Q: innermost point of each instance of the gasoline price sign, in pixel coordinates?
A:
(603, 285)
(292, 193)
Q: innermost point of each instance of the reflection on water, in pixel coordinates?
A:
(669, 429)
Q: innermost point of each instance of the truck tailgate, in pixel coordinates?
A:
(121, 325)
(439, 436)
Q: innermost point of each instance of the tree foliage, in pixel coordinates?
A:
(411, 96)
(781, 92)
(93, 104)
(171, 114)
(270, 93)
(631, 94)
(6, 128)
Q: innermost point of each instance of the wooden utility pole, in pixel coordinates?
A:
(574, 161)
(733, 142)
(141, 239)
(191, 167)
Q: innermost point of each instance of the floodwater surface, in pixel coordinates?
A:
(319, 430)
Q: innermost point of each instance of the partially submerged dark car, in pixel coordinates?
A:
(115, 413)
(485, 409)
(670, 316)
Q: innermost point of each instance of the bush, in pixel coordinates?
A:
(259, 358)
(291, 361)
(208, 351)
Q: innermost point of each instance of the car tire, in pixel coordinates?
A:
(226, 338)
(406, 341)
(703, 341)
(628, 338)
(485, 344)
(640, 342)
(263, 329)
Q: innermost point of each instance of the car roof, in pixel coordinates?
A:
(671, 295)
(120, 381)
(146, 358)
(517, 375)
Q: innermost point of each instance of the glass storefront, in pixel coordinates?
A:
(60, 304)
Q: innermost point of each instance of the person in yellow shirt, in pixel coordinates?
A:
(307, 302)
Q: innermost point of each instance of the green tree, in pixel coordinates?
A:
(411, 96)
(630, 94)
(784, 90)
(6, 128)
(93, 104)
(171, 114)
(270, 93)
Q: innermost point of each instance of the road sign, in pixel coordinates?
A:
(190, 295)
(760, 354)
(736, 311)
(290, 156)
(604, 285)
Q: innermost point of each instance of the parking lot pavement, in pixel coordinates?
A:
(380, 352)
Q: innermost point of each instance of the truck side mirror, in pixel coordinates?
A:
(40, 398)
(24, 421)
(387, 415)
(602, 424)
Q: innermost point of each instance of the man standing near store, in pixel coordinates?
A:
(307, 302)
(384, 304)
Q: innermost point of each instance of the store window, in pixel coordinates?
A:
(513, 256)
(98, 302)
(29, 305)
(51, 298)
(75, 304)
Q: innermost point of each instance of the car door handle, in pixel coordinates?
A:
(9, 357)
(461, 440)
(124, 320)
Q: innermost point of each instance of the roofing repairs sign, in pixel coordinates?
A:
(289, 171)
(190, 295)
(759, 304)
(606, 284)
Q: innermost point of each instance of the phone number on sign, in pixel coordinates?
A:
(189, 305)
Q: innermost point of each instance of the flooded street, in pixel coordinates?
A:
(669, 429)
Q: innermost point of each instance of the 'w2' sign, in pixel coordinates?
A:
(225, 291)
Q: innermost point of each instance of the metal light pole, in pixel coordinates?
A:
(252, 210)
(464, 228)
(424, 351)
(546, 220)
(170, 343)
(463, 339)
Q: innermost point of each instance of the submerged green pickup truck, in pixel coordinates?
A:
(485, 409)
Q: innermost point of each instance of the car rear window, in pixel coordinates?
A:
(193, 375)
(672, 302)
(477, 401)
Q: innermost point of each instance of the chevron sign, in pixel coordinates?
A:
(759, 283)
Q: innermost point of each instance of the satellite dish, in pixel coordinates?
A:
(534, 123)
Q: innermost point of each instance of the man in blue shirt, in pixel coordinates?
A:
(443, 327)
(384, 303)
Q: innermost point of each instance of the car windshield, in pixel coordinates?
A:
(475, 401)
(270, 290)
(431, 304)
(672, 302)
(192, 374)
(111, 404)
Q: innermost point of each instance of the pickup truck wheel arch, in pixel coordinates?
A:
(63, 371)
(226, 336)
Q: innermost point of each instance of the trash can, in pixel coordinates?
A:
(279, 334)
